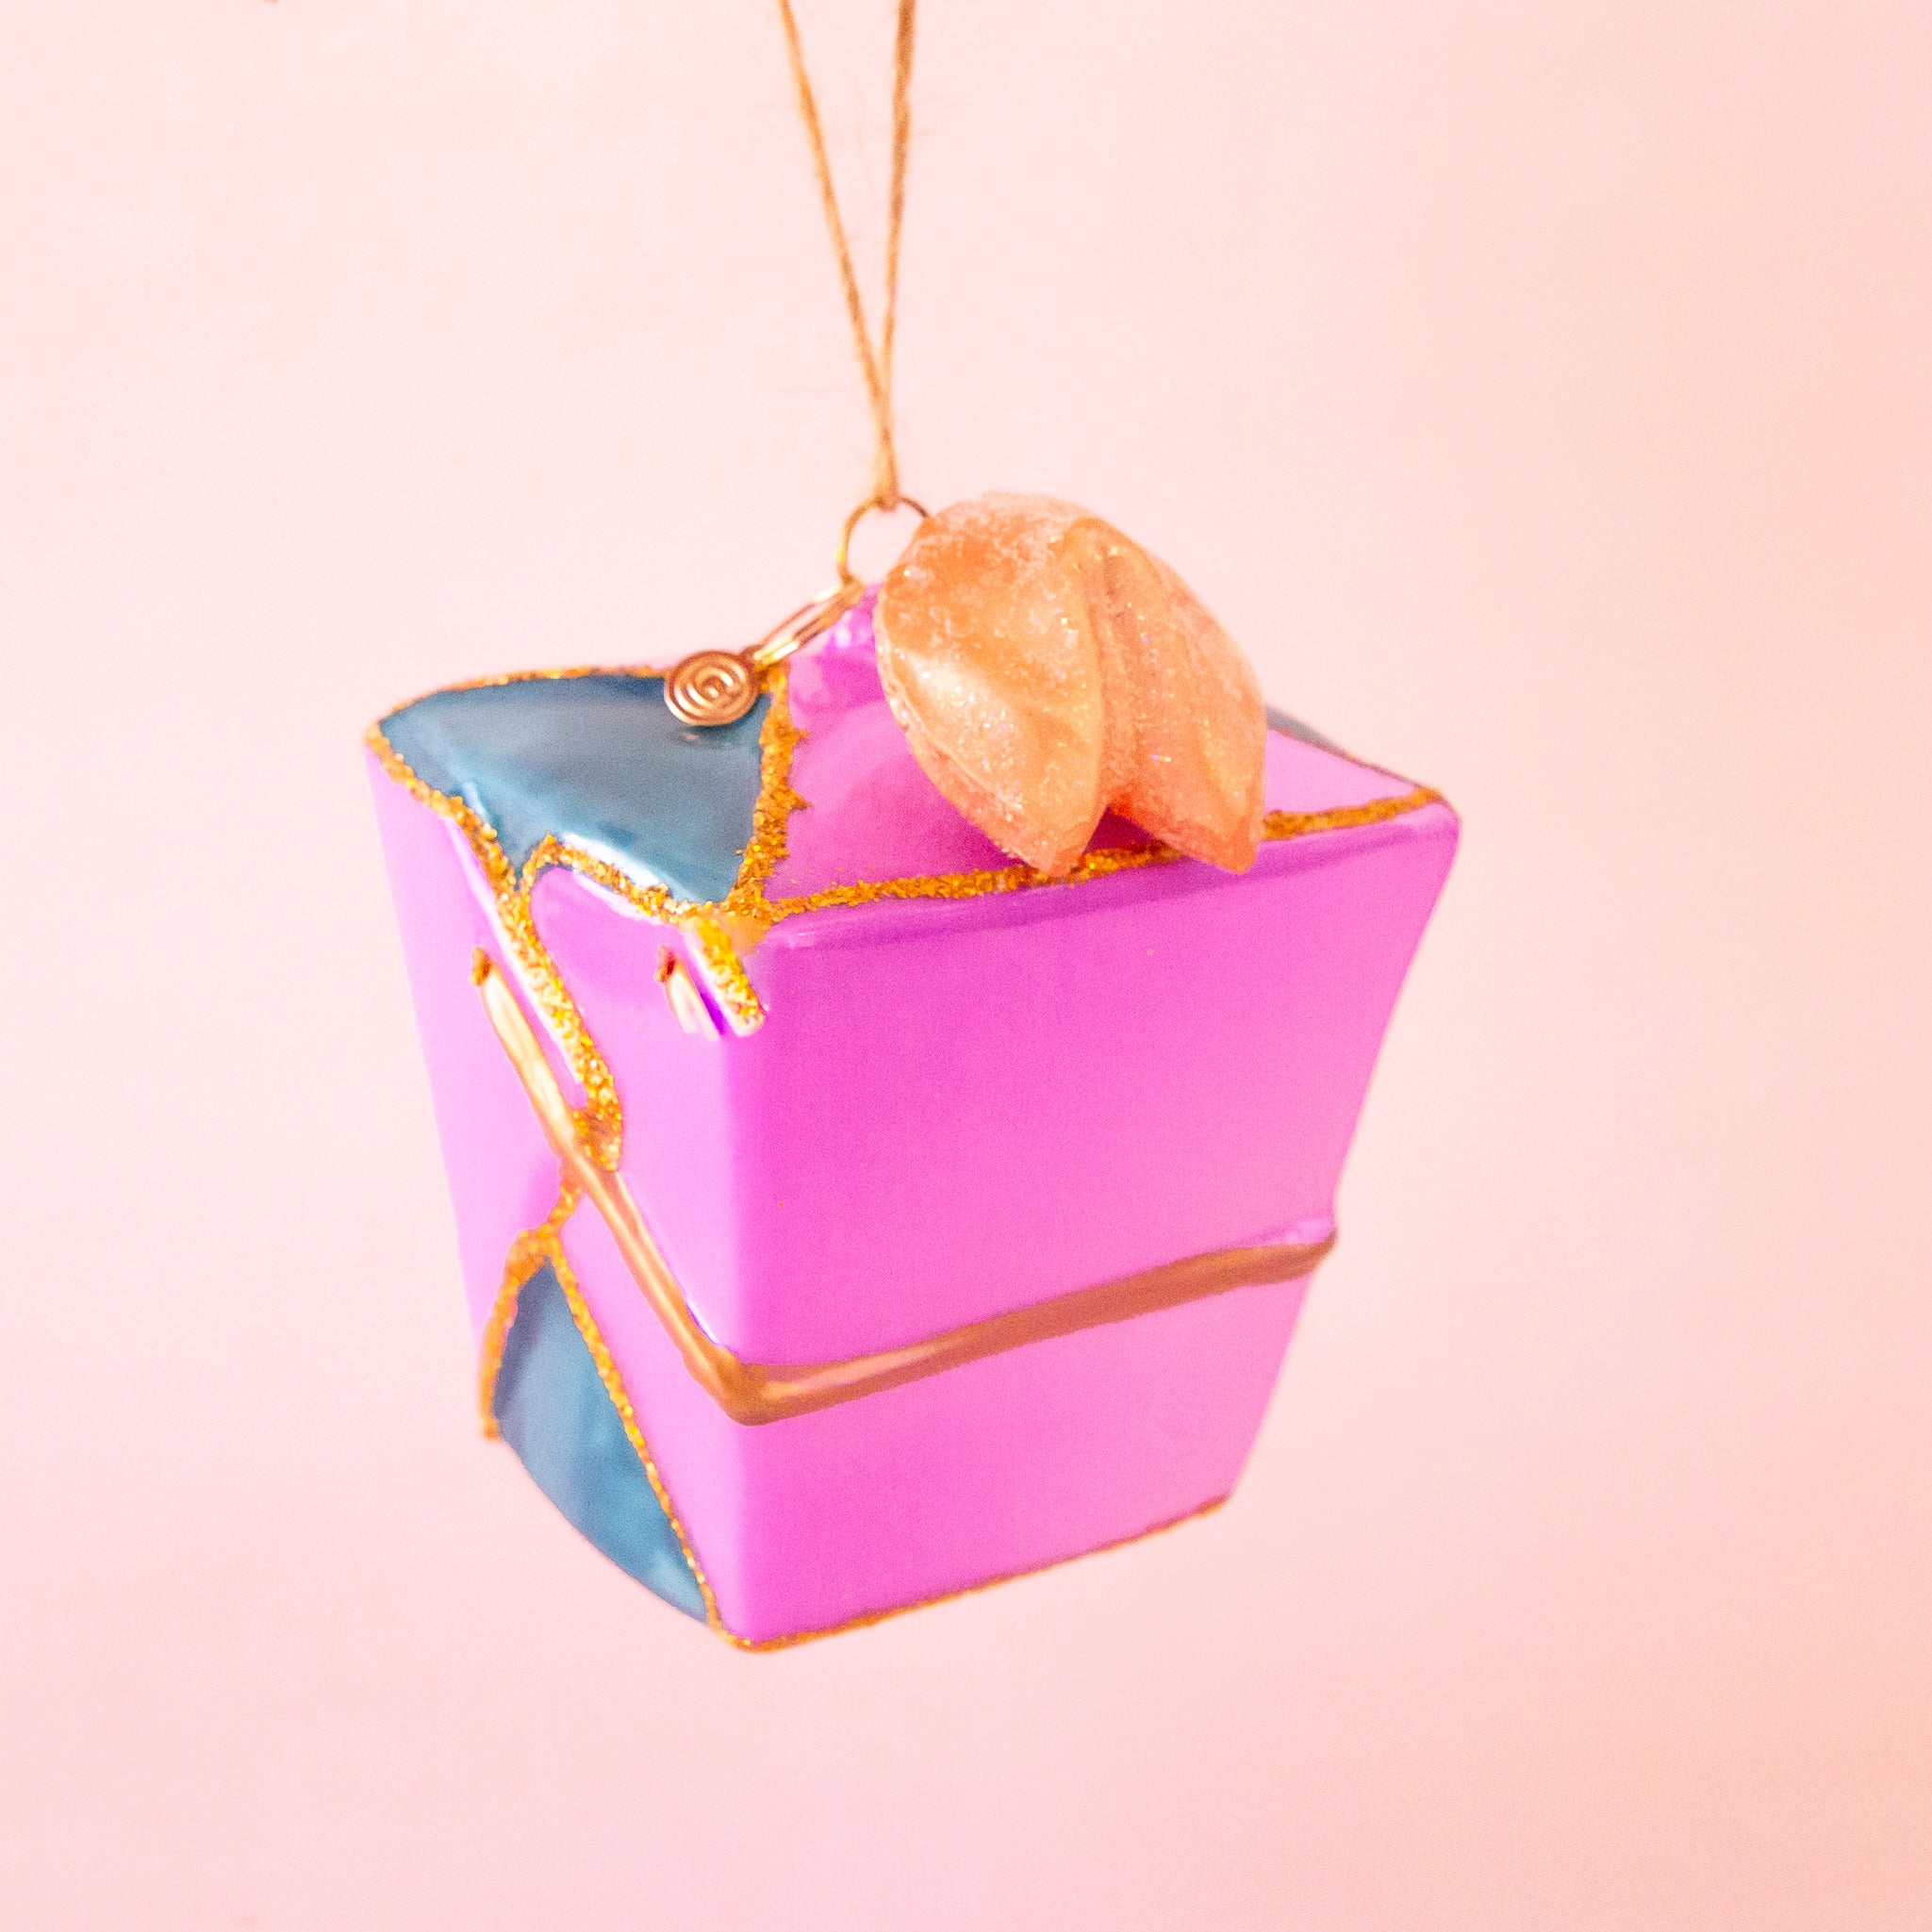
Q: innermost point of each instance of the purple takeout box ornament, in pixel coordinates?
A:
(849, 1216)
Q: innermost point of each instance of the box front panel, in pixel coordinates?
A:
(958, 1109)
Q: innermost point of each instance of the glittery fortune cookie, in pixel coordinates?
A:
(1046, 669)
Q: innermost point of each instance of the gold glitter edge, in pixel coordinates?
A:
(528, 1252)
(492, 679)
(717, 959)
(778, 738)
(1277, 827)
(620, 1395)
(510, 896)
(765, 848)
(721, 969)
(866, 1619)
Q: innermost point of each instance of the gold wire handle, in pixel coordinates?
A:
(754, 1393)
(714, 688)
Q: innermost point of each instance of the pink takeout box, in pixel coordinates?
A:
(847, 1217)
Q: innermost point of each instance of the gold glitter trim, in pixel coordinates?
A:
(1280, 825)
(866, 1619)
(531, 677)
(1093, 865)
(538, 972)
(528, 1252)
(620, 1400)
(720, 933)
(778, 738)
(544, 1243)
(651, 902)
(717, 963)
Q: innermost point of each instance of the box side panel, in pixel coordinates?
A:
(961, 1108)
(502, 1179)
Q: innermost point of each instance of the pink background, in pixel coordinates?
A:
(1540, 391)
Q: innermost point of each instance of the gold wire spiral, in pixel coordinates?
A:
(711, 687)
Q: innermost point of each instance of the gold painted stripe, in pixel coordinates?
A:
(755, 1393)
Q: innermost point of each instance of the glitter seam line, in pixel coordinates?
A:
(528, 1252)
(715, 928)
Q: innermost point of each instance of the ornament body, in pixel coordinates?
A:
(911, 1089)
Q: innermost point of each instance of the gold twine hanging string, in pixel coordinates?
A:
(717, 687)
(875, 361)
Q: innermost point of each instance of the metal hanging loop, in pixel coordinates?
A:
(842, 561)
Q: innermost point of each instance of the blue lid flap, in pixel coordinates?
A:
(598, 761)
